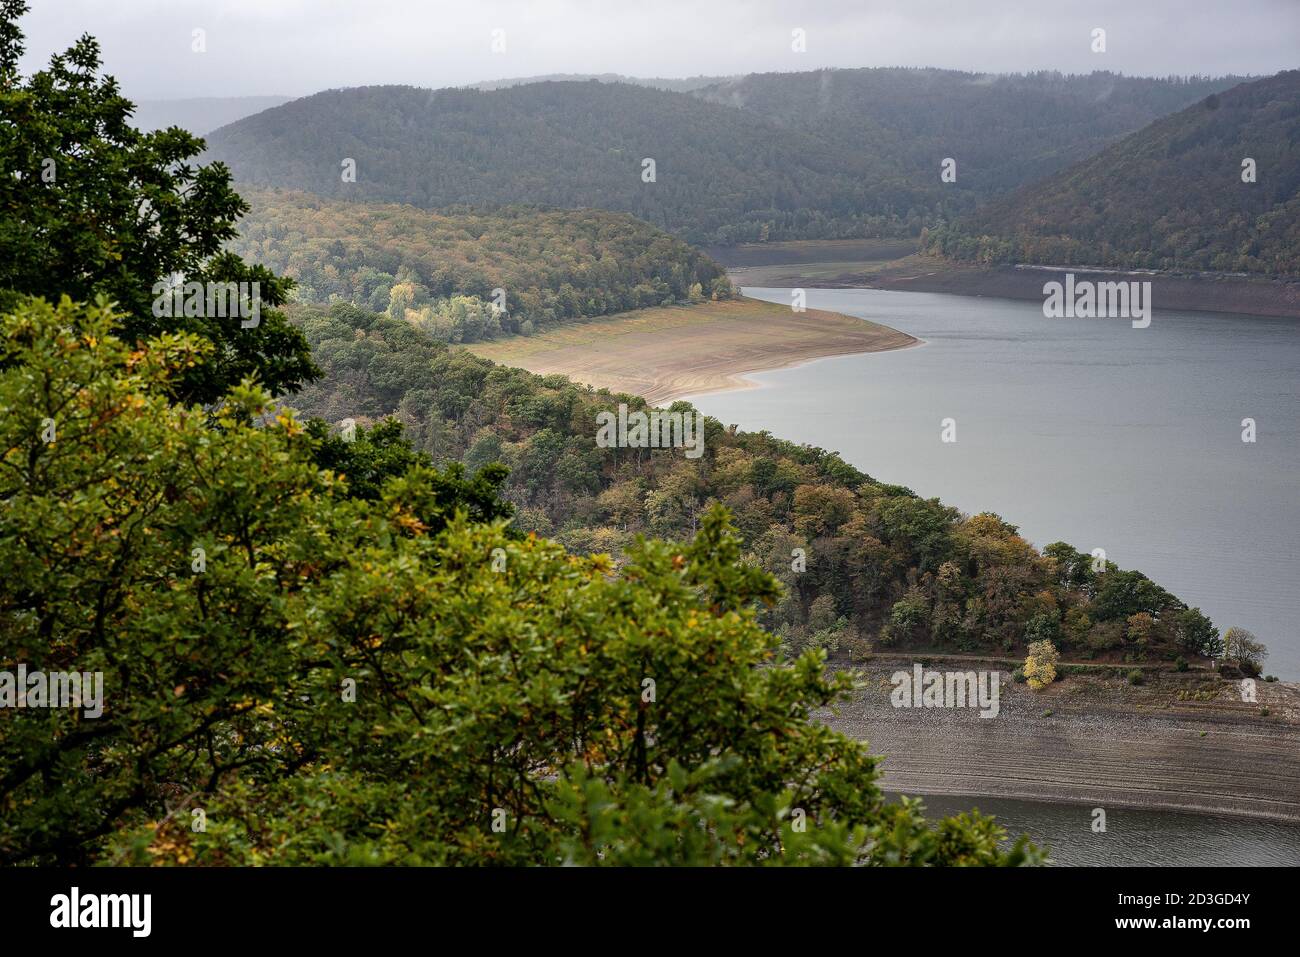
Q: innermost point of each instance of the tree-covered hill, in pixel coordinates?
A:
(313, 648)
(562, 144)
(881, 566)
(1171, 196)
(229, 638)
(829, 154)
(1004, 130)
(442, 268)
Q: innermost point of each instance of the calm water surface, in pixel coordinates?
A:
(1080, 430)
(1135, 838)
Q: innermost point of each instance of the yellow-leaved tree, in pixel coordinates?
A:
(1040, 666)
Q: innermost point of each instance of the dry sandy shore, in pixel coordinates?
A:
(665, 353)
(1104, 743)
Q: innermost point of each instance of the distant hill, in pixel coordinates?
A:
(1003, 130)
(824, 155)
(683, 85)
(720, 174)
(440, 269)
(1170, 196)
(200, 115)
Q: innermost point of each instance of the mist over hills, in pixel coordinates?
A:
(828, 154)
(1171, 196)
(1003, 130)
(200, 115)
(679, 85)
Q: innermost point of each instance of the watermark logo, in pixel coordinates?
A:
(952, 689)
(1086, 299)
(55, 689)
(656, 429)
(103, 910)
(209, 300)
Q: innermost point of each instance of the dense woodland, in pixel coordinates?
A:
(1004, 130)
(330, 650)
(441, 270)
(1171, 196)
(374, 647)
(821, 155)
(885, 568)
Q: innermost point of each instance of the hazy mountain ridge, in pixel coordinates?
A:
(721, 174)
(826, 154)
(1170, 196)
(1003, 130)
(203, 114)
(677, 85)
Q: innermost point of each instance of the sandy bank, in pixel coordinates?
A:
(669, 352)
(1104, 743)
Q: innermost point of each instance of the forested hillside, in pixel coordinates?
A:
(290, 648)
(884, 567)
(680, 85)
(1172, 196)
(720, 174)
(1004, 130)
(828, 154)
(441, 270)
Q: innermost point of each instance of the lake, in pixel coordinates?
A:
(1135, 838)
(1080, 430)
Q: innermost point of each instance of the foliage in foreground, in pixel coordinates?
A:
(339, 678)
(91, 206)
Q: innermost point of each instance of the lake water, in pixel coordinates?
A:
(1080, 430)
(1135, 838)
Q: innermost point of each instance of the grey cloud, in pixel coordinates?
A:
(299, 46)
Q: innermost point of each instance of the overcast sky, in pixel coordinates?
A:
(296, 47)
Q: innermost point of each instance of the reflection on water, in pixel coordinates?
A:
(1134, 837)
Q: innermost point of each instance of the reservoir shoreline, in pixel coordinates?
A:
(846, 264)
(670, 352)
(1090, 739)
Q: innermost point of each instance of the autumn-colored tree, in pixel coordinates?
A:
(1040, 664)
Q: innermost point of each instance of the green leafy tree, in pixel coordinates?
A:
(340, 678)
(1197, 634)
(91, 206)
